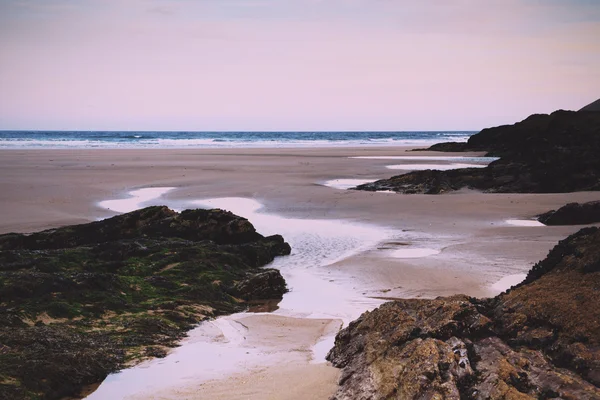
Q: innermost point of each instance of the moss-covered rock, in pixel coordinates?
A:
(79, 302)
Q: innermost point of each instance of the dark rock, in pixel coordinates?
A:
(559, 295)
(265, 285)
(539, 340)
(220, 226)
(426, 182)
(594, 106)
(553, 153)
(55, 361)
(507, 373)
(78, 302)
(155, 351)
(449, 147)
(407, 347)
(573, 214)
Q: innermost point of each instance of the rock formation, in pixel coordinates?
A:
(594, 106)
(542, 154)
(79, 302)
(539, 340)
(573, 214)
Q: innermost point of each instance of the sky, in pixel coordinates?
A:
(301, 65)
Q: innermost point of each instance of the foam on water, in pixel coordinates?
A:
(138, 199)
(508, 281)
(186, 139)
(524, 222)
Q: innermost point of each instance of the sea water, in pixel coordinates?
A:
(128, 139)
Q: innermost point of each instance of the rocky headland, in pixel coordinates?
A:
(553, 153)
(79, 302)
(594, 106)
(538, 340)
(573, 214)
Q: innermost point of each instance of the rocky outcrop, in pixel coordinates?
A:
(152, 222)
(539, 340)
(79, 302)
(265, 285)
(573, 214)
(425, 182)
(553, 153)
(594, 106)
(450, 147)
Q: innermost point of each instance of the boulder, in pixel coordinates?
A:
(267, 284)
(79, 302)
(573, 214)
(540, 339)
(220, 226)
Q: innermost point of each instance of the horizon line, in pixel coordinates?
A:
(238, 131)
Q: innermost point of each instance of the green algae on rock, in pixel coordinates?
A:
(79, 302)
(538, 340)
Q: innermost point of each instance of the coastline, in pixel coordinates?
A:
(63, 186)
(50, 188)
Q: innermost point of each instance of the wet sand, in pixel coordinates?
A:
(471, 245)
(289, 372)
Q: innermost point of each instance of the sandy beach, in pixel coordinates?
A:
(459, 242)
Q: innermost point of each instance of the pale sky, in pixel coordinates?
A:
(293, 64)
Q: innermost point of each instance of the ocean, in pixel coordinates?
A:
(129, 139)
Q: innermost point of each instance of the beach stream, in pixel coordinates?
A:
(220, 347)
(319, 295)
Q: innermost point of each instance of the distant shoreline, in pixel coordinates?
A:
(221, 140)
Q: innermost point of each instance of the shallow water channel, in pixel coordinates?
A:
(216, 347)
